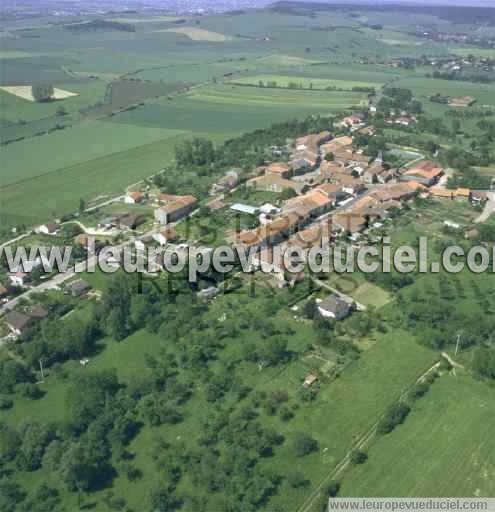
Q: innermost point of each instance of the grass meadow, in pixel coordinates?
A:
(447, 432)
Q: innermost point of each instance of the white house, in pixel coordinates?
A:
(133, 198)
(47, 229)
(18, 278)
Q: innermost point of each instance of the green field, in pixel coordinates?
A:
(106, 175)
(445, 447)
(81, 143)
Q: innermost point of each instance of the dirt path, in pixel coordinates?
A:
(489, 209)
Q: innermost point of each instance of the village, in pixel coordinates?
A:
(324, 188)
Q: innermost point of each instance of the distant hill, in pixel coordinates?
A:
(100, 25)
(453, 13)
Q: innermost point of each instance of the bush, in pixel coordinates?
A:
(358, 457)
(396, 415)
(304, 444)
(5, 403)
(333, 489)
(29, 390)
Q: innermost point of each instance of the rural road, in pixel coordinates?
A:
(359, 444)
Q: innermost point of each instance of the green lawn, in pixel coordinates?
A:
(445, 447)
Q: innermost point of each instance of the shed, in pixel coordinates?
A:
(244, 208)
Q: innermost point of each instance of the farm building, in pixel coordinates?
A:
(244, 208)
(273, 183)
(462, 102)
(134, 198)
(176, 209)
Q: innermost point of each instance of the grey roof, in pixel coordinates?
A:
(79, 286)
(37, 312)
(336, 305)
(16, 320)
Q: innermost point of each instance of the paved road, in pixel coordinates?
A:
(17, 239)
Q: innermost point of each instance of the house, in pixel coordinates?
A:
(227, 182)
(273, 183)
(50, 228)
(310, 380)
(337, 144)
(426, 173)
(165, 236)
(134, 198)
(314, 202)
(208, 293)
(176, 209)
(266, 262)
(18, 278)
(349, 223)
(78, 288)
(280, 169)
(377, 173)
(335, 307)
(131, 220)
(36, 312)
(17, 322)
(398, 191)
(350, 121)
(141, 243)
(215, 204)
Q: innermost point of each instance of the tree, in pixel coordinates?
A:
(302, 444)
(35, 438)
(9, 443)
(358, 457)
(61, 111)
(82, 205)
(330, 157)
(394, 416)
(42, 92)
(11, 495)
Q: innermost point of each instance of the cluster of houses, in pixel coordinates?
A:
(337, 191)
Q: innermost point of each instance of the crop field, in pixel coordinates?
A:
(424, 88)
(13, 108)
(477, 52)
(303, 82)
(106, 175)
(455, 419)
(83, 142)
(222, 108)
(25, 92)
(198, 34)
